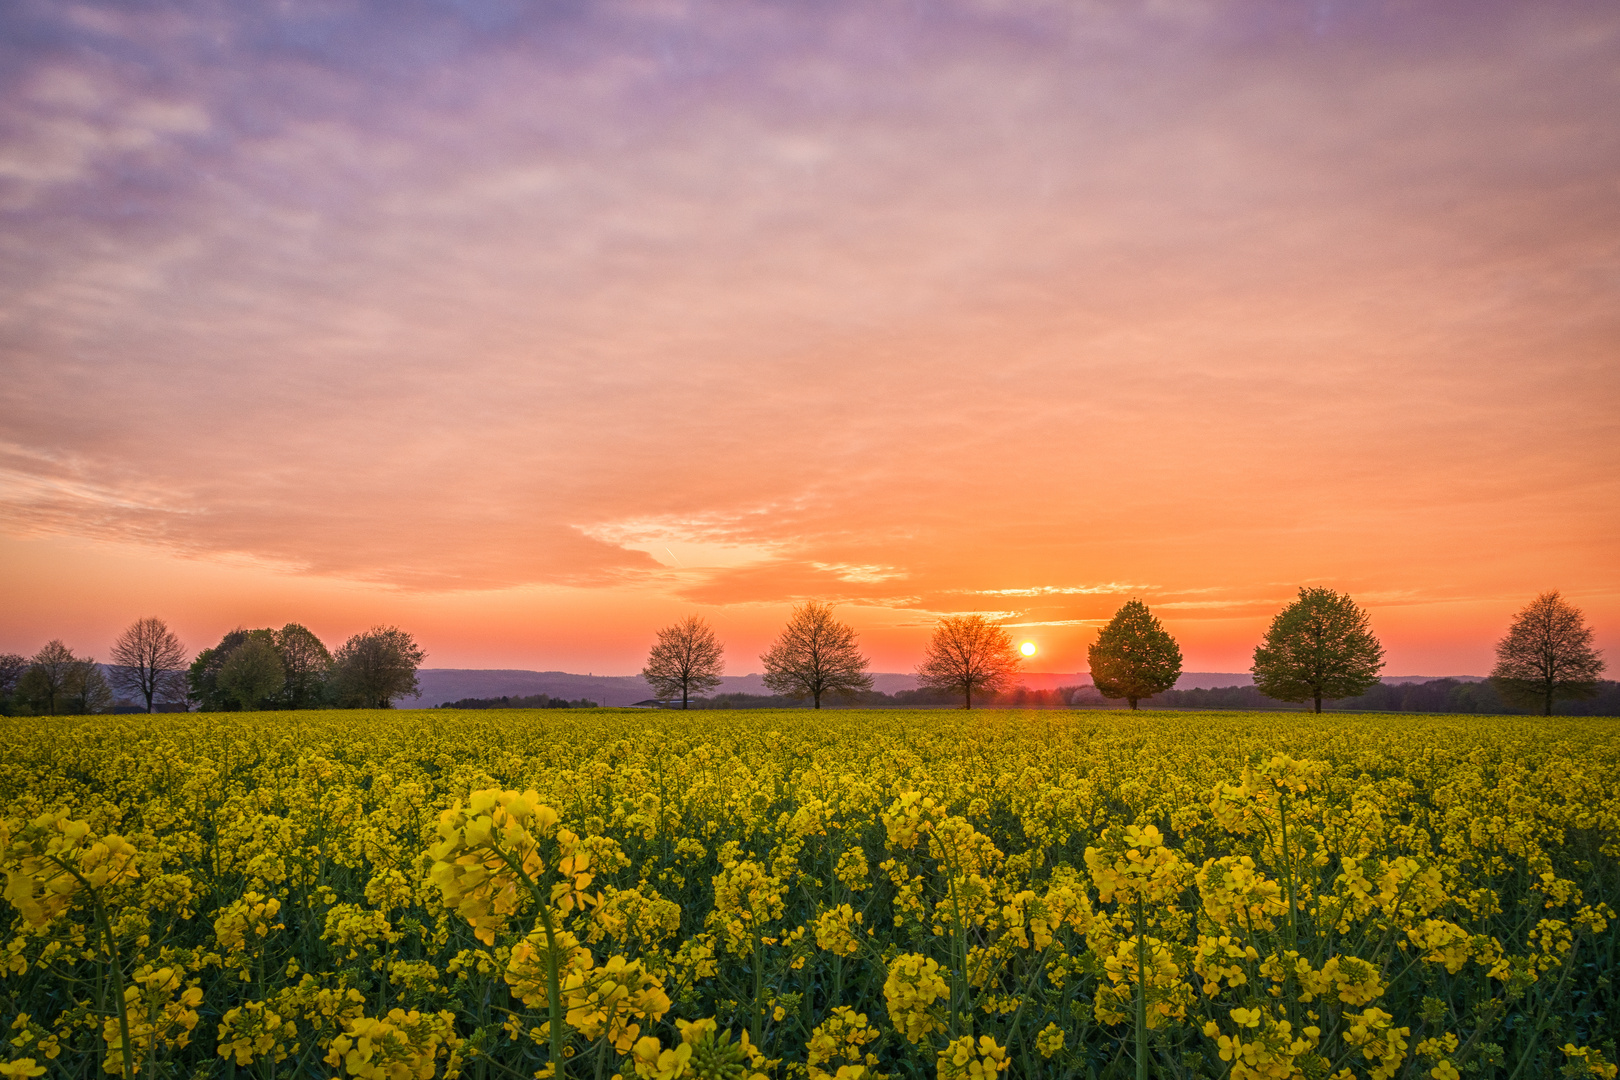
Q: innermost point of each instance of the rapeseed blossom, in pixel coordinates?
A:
(397, 896)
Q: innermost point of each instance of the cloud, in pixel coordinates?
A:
(860, 302)
(1107, 588)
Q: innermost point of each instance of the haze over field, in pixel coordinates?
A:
(530, 328)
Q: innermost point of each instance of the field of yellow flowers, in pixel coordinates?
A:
(603, 893)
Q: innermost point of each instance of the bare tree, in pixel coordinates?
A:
(149, 662)
(687, 659)
(1547, 655)
(815, 655)
(88, 690)
(968, 653)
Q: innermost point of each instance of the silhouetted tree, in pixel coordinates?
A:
(12, 667)
(815, 655)
(48, 683)
(1320, 646)
(88, 690)
(1134, 657)
(203, 675)
(374, 668)
(686, 659)
(1547, 655)
(253, 672)
(148, 662)
(307, 665)
(968, 653)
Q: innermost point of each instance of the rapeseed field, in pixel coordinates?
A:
(601, 893)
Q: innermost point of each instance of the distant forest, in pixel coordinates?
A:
(531, 701)
(1437, 696)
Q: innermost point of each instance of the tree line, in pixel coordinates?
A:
(1318, 649)
(290, 668)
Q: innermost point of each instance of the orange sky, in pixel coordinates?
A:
(532, 331)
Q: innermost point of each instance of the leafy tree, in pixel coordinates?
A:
(815, 655)
(1547, 655)
(1134, 657)
(687, 659)
(307, 664)
(374, 668)
(1320, 646)
(203, 675)
(48, 683)
(968, 653)
(252, 674)
(149, 662)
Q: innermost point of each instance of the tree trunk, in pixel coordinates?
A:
(968, 693)
(683, 695)
(817, 696)
(1318, 701)
(1133, 703)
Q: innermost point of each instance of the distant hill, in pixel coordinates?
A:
(452, 684)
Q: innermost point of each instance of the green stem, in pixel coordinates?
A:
(553, 992)
(1288, 868)
(959, 948)
(118, 989)
(759, 992)
(1141, 993)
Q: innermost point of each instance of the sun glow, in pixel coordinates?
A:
(1027, 648)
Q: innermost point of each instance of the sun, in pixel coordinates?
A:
(1027, 648)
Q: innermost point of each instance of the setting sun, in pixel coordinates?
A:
(1027, 648)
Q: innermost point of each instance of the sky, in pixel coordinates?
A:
(531, 327)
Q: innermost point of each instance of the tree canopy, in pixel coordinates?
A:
(1320, 646)
(1134, 657)
(372, 669)
(815, 655)
(253, 674)
(1547, 655)
(686, 659)
(968, 653)
(307, 664)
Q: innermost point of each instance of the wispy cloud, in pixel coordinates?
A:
(1105, 589)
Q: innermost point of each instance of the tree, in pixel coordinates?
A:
(968, 653)
(203, 675)
(149, 662)
(48, 682)
(12, 667)
(1134, 657)
(253, 672)
(1320, 646)
(815, 655)
(687, 659)
(374, 668)
(307, 664)
(88, 690)
(1547, 655)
